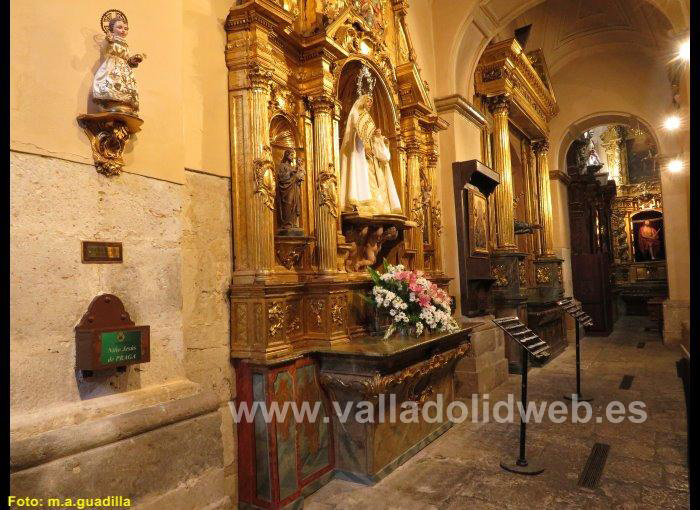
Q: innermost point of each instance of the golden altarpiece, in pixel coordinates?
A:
(514, 94)
(299, 74)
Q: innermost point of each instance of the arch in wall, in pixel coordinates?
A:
(574, 129)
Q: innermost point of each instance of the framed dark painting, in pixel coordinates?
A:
(478, 224)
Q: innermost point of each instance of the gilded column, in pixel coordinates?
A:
(326, 184)
(545, 202)
(436, 211)
(505, 232)
(415, 198)
(261, 238)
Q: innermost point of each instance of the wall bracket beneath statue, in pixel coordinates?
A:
(109, 133)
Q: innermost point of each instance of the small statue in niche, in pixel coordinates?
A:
(289, 179)
(114, 86)
(592, 158)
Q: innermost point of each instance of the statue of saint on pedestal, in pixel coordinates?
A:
(289, 179)
(648, 240)
(114, 86)
(366, 183)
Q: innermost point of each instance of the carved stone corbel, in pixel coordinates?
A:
(108, 133)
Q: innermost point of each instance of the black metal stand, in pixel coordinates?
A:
(577, 396)
(521, 465)
(580, 319)
(531, 345)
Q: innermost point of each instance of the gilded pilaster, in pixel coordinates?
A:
(436, 212)
(505, 232)
(261, 239)
(326, 177)
(545, 203)
(415, 198)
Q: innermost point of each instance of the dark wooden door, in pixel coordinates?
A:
(591, 279)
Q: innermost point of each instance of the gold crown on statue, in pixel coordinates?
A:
(366, 76)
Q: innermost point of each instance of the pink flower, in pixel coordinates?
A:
(414, 287)
(423, 300)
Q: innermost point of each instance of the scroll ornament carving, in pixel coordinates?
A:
(338, 312)
(498, 271)
(522, 273)
(293, 318)
(317, 307)
(437, 219)
(543, 275)
(410, 376)
(108, 137)
(326, 187)
(264, 178)
(560, 275)
(276, 315)
(417, 212)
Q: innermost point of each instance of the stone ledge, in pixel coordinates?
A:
(42, 447)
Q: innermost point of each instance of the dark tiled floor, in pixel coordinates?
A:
(646, 466)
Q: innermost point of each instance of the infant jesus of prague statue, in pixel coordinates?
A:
(366, 183)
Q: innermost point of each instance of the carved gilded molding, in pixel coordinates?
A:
(522, 273)
(109, 133)
(436, 211)
(327, 189)
(500, 273)
(410, 376)
(264, 178)
(543, 275)
(276, 315)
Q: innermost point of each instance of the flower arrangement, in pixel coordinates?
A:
(415, 304)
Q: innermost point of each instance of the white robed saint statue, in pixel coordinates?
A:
(366, 183)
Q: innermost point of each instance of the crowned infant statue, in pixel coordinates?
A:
(366, 182)
(114, 86)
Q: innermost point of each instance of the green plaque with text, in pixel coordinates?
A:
(120, 347)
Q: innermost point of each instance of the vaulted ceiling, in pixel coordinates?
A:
(565, 29)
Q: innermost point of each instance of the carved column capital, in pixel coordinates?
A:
(322, 103)
(413, 146)
(541, 147)
(260, 77)
(498, 105)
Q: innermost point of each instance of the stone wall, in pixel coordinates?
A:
(163, 428)
(485, 366)
(206, 276)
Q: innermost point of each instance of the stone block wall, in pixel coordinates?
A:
(675, 313)
(485, 366)
(160, 433)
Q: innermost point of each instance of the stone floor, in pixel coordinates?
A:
(646, 467)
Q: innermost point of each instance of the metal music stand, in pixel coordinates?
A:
(581, 318)
(531, 345)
